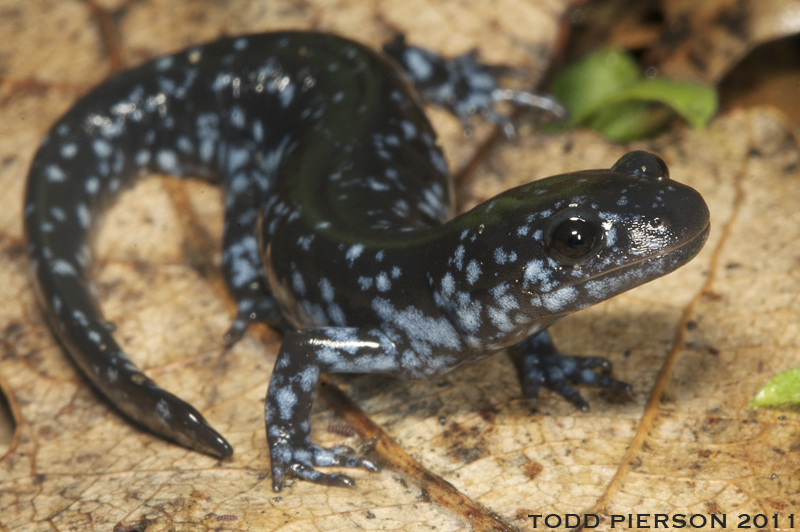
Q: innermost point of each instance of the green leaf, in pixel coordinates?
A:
(606, 91)
(782, 390)
(694, 102)
(630, 120)
(582, 87)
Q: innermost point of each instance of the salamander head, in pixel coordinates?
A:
(543, 250)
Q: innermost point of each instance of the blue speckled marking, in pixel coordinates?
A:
(337, 202)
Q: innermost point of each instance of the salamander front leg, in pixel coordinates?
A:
(303, 356)
(544, 367)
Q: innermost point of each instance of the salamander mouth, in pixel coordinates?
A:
(614, 281)
(684, 251)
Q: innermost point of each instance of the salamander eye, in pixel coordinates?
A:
(574, 241)
(642, 164)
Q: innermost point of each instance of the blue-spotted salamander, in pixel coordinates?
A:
(338, 227)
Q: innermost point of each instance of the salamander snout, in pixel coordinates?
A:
(667, 214)
(664, 215)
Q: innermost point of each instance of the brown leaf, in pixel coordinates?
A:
(687, 443)
(710, 37)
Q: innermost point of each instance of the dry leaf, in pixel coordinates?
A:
(710, 37)
(696, 345)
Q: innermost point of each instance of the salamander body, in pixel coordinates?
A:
(339, 229)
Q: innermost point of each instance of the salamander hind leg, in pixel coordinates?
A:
(243, 273)
(245, 189)
(303, 356)
(544, 367)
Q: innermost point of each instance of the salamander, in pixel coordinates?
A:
(339, 228)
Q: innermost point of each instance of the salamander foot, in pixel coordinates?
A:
(302, 461)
